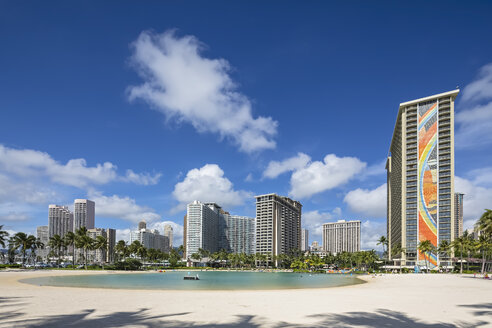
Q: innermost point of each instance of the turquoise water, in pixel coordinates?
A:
(211, 280)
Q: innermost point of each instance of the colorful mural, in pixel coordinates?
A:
(427, 166)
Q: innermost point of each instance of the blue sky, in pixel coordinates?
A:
(143, 108)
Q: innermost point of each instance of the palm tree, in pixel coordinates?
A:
(56, 242)
(398, 251)
(121, 249)
(38, 244)
(86, 243)
(444, 249)
(101, 244)
(383, 241)
(142, 253)
(69, 240)
(3, 236)
(79, 233)
(425, 247)
(484, 223)
(459, 244)
(484, 244)
(24, 242)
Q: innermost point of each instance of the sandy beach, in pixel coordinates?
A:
(411, 300)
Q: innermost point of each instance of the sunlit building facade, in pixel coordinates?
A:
(420, 177)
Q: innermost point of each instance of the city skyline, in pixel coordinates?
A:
(84, 116)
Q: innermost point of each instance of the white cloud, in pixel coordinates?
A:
(371, 203)
(208, 184)
(474, 126)
(320, 176)
(370, 231)
(481, 88)
(184, 85)
(23, 192)
(481, 176)
(145, 179)
(249, 178)
(475, 200)
(375, 169)
(475, 121)
(14, 216)
(125, 208)
(123, 234)
(28, 163)
(313, 221)
(275, 168)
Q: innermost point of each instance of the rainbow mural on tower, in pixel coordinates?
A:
(427, 168)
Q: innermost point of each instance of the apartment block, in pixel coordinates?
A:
(341, 236)
(278, 224)
(60, 220)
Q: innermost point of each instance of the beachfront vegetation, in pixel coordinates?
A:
(76, 247)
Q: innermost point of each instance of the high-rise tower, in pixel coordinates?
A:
(60, 220)
(420, 175)
(278, 224)
(84, 214)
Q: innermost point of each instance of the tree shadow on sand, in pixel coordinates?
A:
(143, 318)
(482, 309)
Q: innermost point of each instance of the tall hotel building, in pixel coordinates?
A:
(202, 226)
(84, 214)
(304, 240)
(420, 173)
(458, 215)
(278, 224)
(60, 220)
(341, 236)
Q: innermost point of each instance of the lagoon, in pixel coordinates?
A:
(209, 280)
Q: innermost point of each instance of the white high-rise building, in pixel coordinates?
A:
(240, 234)
(202, 227)
(304, 240)
(60, 220)
(341, 236)
(84, 214)
(168, 232)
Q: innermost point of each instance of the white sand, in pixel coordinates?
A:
(385, 301)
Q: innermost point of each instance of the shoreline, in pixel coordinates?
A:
(79, 273)
(390, 300)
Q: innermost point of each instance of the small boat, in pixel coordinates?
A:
(191, 277)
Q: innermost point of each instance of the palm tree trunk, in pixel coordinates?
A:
(85, 260)
(483, 261)
(461, 260)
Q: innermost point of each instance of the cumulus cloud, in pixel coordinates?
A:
(186, 86)
(14, 216)
(123, 234)
(145, 179)
(371, 203)
(370, 231)
(319, 176)
(275, 168)
(476, 118)
(28, 163)
(125, 208)
(24, 192)
(313, 221)
(475, 201)
(481, 88)
(208, 184)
